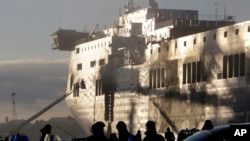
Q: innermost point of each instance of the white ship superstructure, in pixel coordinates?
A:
(164, 65)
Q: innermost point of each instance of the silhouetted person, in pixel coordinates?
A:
(113, 137)
(45, 130)
(181, 135)
(151, 134)
(97, 132)
(124, 135)
(138, 135)
(169, 135)
(207, 125)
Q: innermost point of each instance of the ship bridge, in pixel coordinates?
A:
(65, 40)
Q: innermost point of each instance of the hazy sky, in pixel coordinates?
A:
(38, 74)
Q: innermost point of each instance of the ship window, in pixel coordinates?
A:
(158, 78)
(194, 41)
(92, 64)
(236, 65)
(150, 79)
(77, 50)
(248, 29)
(175, 45)
(162, 77)
(204, 39)
(224, 67)
(151, 51)
(185, 43)
(203, 72)
(184, 73)
(159, 50)
(154, 79)
(225, 34)
(236, 31)
(194, 72)
(98, 88)
(101, 62)
(167, 47)
(79, 66)
(214, 36)
(230, 66)
(189, 73)
(242, 64)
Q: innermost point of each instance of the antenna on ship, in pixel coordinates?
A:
(225, 10)
(216, 10)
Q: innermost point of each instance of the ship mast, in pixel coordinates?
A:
(129, 7)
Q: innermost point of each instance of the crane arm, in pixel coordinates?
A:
(93, 31)
(16, 129)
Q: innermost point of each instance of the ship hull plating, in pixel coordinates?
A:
(161, 65)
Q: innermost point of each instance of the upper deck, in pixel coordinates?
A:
(145, 22)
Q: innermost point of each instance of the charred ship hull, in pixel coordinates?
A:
(159, 64)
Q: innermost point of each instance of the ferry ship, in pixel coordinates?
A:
(175, 67)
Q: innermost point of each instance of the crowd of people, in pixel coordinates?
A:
(150, 134)
(123, 133)
(98, 134)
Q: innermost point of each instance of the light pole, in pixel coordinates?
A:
(14, 107)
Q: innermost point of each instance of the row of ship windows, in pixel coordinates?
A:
(101, 62)
(93, 47)
(204, 40)
(233, 66)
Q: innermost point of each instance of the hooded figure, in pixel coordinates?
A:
(97, 132)
(45, 130)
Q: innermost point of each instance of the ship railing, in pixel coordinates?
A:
(204, 19)
(208, 17)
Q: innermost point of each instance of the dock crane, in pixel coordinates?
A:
(16, 129)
